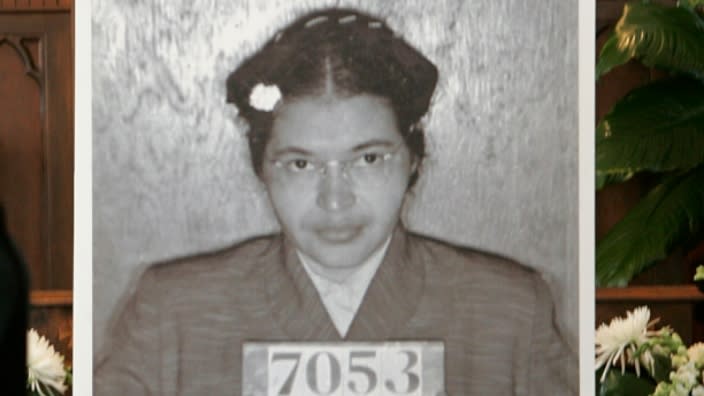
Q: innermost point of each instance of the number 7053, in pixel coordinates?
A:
(344, 371)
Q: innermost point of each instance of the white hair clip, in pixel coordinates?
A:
(374, 25)
(264, 97)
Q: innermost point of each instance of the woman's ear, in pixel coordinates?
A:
(413, 173)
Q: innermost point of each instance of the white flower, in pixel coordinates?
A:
(45, 367)
(680, 390)
(698, 391)
(264, 97)
(696, 353)
(678, 360)
(621, 338)
(685, 376)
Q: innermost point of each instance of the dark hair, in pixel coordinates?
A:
(352, 52)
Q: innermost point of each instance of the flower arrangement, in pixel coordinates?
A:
(46, 373)
(633, 359)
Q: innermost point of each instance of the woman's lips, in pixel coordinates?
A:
(338, 234)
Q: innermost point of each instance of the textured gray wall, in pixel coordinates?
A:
(171, 171)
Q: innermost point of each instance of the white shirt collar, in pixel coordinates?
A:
(343, 299)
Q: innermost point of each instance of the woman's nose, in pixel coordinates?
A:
(335, 192)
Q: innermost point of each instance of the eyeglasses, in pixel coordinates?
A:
(370, 168)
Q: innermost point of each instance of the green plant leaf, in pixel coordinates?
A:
(655, 128)
(611, 56)
(606, 178)
(667, 216)
(671, 38)
(627, 384)
(663, 367)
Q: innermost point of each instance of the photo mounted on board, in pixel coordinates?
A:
(327, 198)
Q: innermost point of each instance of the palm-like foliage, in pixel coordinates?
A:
(670, 214)
(658, 36)
(654, 128)
(657, 128)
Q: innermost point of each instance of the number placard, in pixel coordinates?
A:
(343, 369)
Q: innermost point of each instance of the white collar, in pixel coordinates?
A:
(343, 299)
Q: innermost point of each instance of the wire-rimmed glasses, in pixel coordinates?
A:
(368, 168)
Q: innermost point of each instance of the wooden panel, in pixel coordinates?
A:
(35, 5)
(55, 322)
(21, 151)
(51, 298)
(682, 293)
(36, 155)
(51, 314)
(36, 142)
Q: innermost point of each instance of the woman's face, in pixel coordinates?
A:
(336, 170)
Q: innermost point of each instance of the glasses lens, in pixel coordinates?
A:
(371, 169)
(368, 169)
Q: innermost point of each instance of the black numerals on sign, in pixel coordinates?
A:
(413, 379)
(368, 372)
(288, 384)
(362, 376)
(312, 373)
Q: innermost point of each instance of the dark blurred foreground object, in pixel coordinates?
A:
(13, 316)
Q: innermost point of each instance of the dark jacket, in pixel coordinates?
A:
(182, 330)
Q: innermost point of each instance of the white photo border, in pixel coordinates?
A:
(83, 274)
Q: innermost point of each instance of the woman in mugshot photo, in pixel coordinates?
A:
(335, 104)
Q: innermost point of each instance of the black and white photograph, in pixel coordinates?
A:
(352, 197)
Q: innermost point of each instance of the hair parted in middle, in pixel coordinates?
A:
(342, 52)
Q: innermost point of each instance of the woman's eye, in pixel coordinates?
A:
(299, 165)
(371, 158)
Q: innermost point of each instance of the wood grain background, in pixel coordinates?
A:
(171, 170)
(36, 141)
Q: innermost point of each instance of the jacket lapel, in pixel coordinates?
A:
(393, 295)
(294, 300)
(389, 303)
